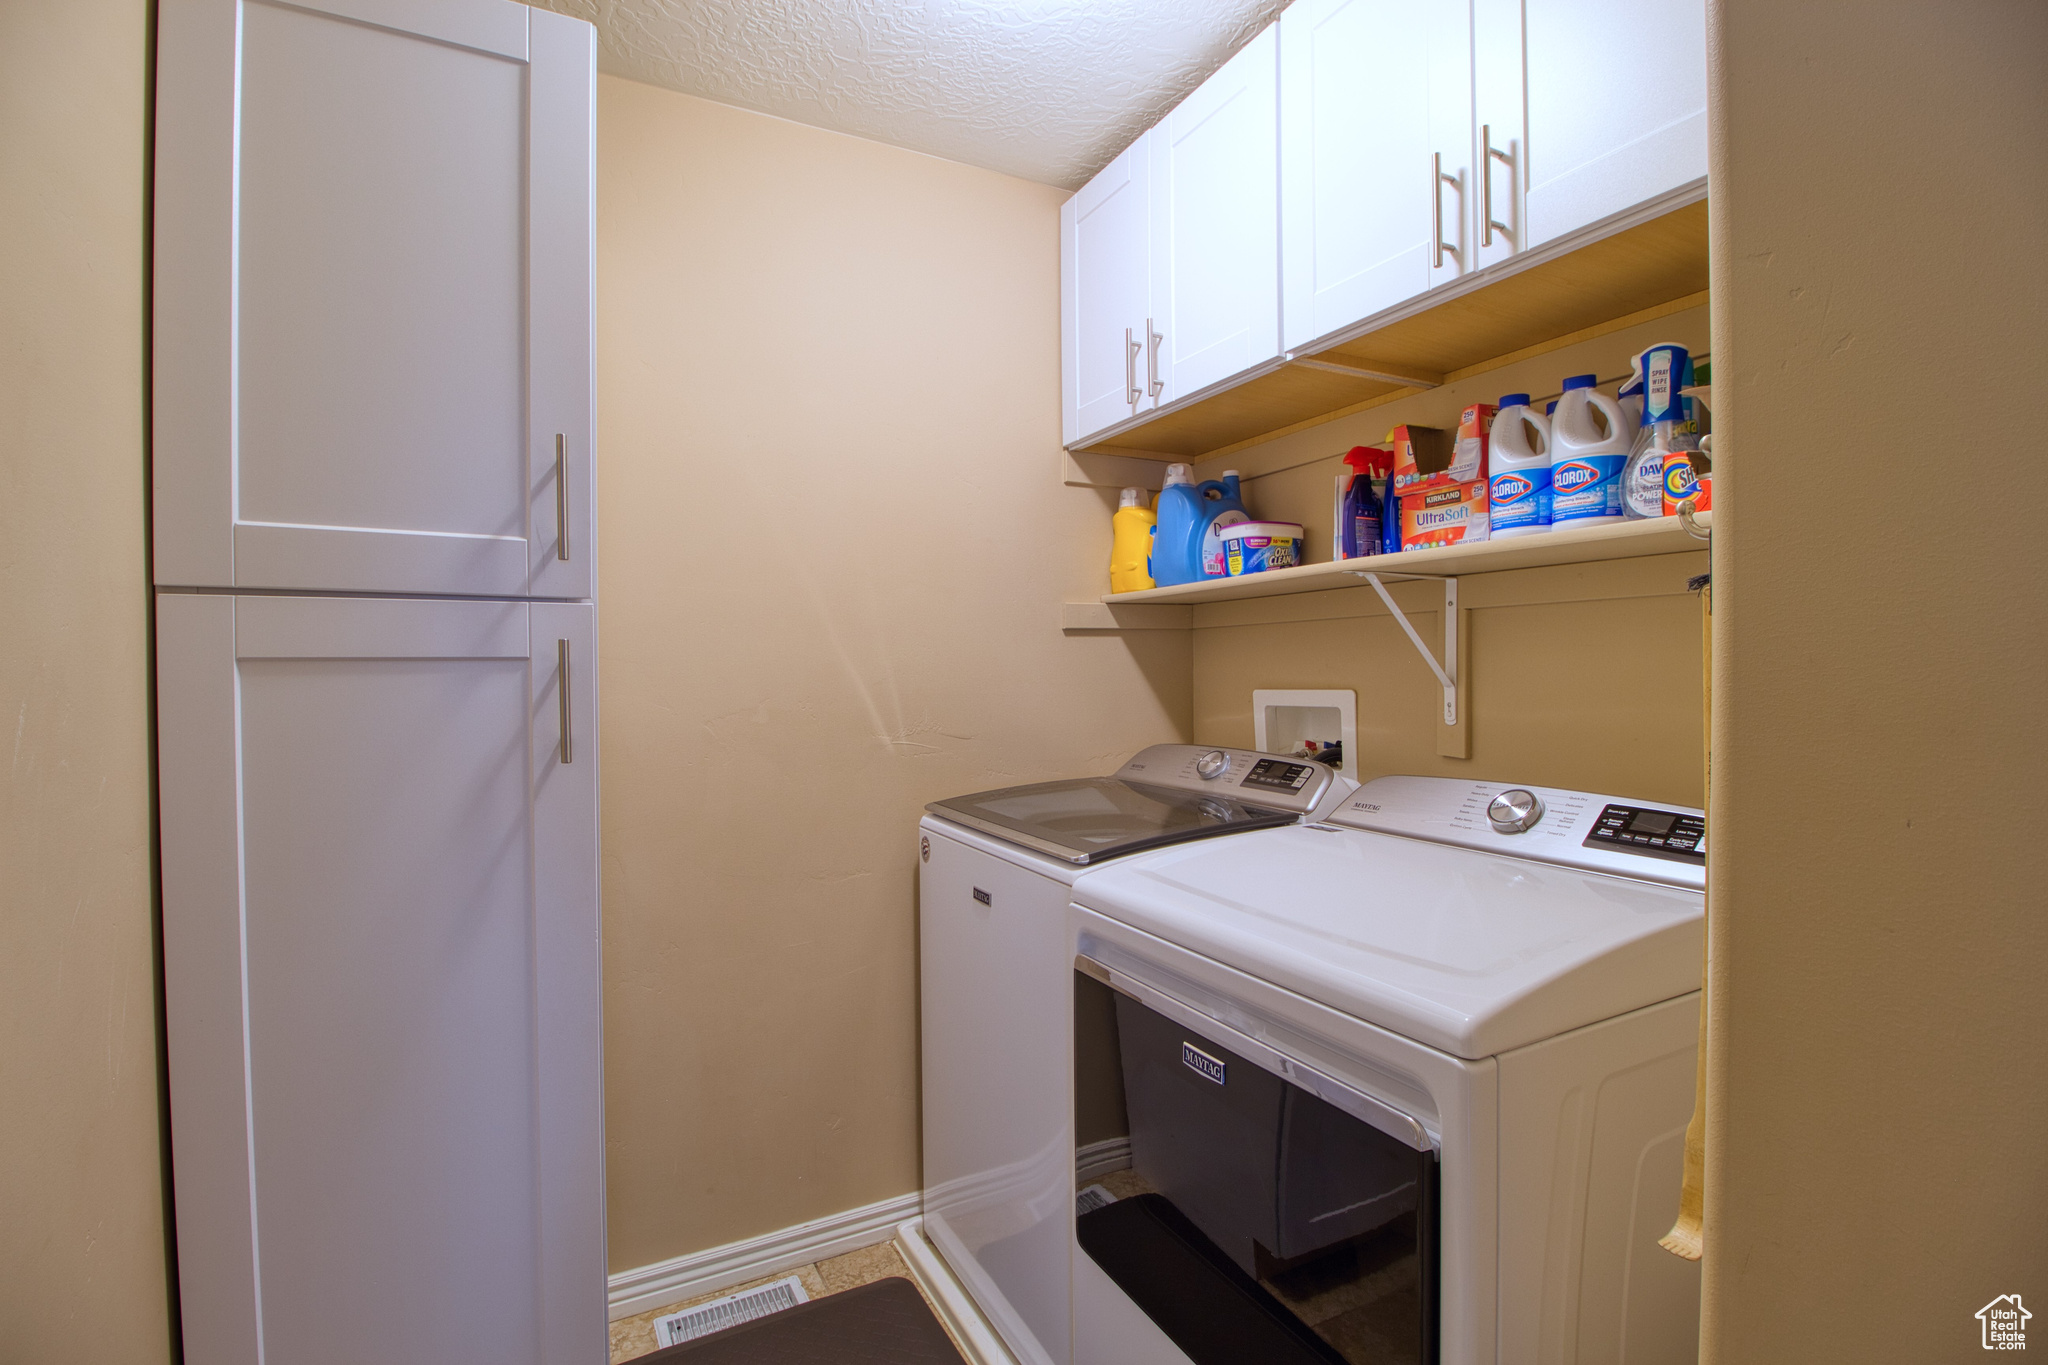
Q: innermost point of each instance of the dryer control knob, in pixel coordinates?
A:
(1514, 810)
(1212, 765)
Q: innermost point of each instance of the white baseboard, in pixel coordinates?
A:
(1098, 1159)
(963, 1322)
(707, 1272)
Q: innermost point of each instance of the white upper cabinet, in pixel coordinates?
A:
(1498, 217)
(1105, 295)
(373, 297)
(381, 978)
(1617, 100)
(1216, 227)
(1376, 161)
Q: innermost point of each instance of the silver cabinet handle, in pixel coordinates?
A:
(562, 697)
(561, 506)
(1436, 207)
(1152, 340)
(1488, 225)
(1131, 348)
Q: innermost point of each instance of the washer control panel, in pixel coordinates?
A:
(1650, 831)
(1268, 780)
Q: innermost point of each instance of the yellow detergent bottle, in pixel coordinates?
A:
(1130, 556)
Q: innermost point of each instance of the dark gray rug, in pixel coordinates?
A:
(884, 1323)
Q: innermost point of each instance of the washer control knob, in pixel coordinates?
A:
(1514, 810)
(1212, 765)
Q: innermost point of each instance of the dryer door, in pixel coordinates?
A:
(1246, 1216)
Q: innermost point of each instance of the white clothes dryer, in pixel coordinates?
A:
(1408, 1084)
(996, 871)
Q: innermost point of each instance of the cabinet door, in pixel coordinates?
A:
(1375, 99)
(1216, 226)
(381, 979)
(1497, 100)
(1105, 278)
(373, 297)
(1617, 107)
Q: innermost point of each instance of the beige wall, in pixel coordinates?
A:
(1584, 676)
(834, 542)
(81, 1209)
(1879, 1045)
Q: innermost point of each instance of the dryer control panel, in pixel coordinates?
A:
(1270, 780)
(1640, 839)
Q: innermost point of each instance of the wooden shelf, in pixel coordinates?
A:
(1549, 299)
(1609, 540)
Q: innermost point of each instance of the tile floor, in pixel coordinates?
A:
(634, 1336)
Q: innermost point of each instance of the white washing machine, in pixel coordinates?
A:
(1408, 1084)
(996, 872)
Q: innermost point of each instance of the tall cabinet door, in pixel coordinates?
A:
(1375, 102)
(1617, 107)
(381, 979)
(1105, 295)
(373, 297)
(1216, 226)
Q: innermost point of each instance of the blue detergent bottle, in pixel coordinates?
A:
(1177, 533)
(1222, 505)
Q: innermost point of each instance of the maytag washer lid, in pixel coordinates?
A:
(1167, 794)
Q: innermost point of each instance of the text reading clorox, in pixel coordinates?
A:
(1201, 1063)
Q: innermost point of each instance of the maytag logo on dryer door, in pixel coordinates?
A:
(1201, 1063)
(984, 897)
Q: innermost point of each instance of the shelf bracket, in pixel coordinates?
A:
(1447, 671)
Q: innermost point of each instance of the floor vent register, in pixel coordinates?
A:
(730, 1311)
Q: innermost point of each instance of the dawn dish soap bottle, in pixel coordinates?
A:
(1222, 505)
(1518, 493)
(1642, 481)
(1130, 553)
(1667, 372)
(1589, 443)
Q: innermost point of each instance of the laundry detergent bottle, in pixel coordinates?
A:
(1589, 443)
(1222, 505)
(1518, 492)
(1130, 552)
(1177, 532)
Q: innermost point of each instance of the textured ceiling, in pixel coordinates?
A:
(1048, 90)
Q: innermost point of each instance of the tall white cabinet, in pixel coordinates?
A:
(376, 680)
(373, 297)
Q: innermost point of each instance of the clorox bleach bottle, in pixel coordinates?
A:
(1518, 494)
(1589, 443)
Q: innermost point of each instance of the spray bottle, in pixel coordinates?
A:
(1360, 528)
